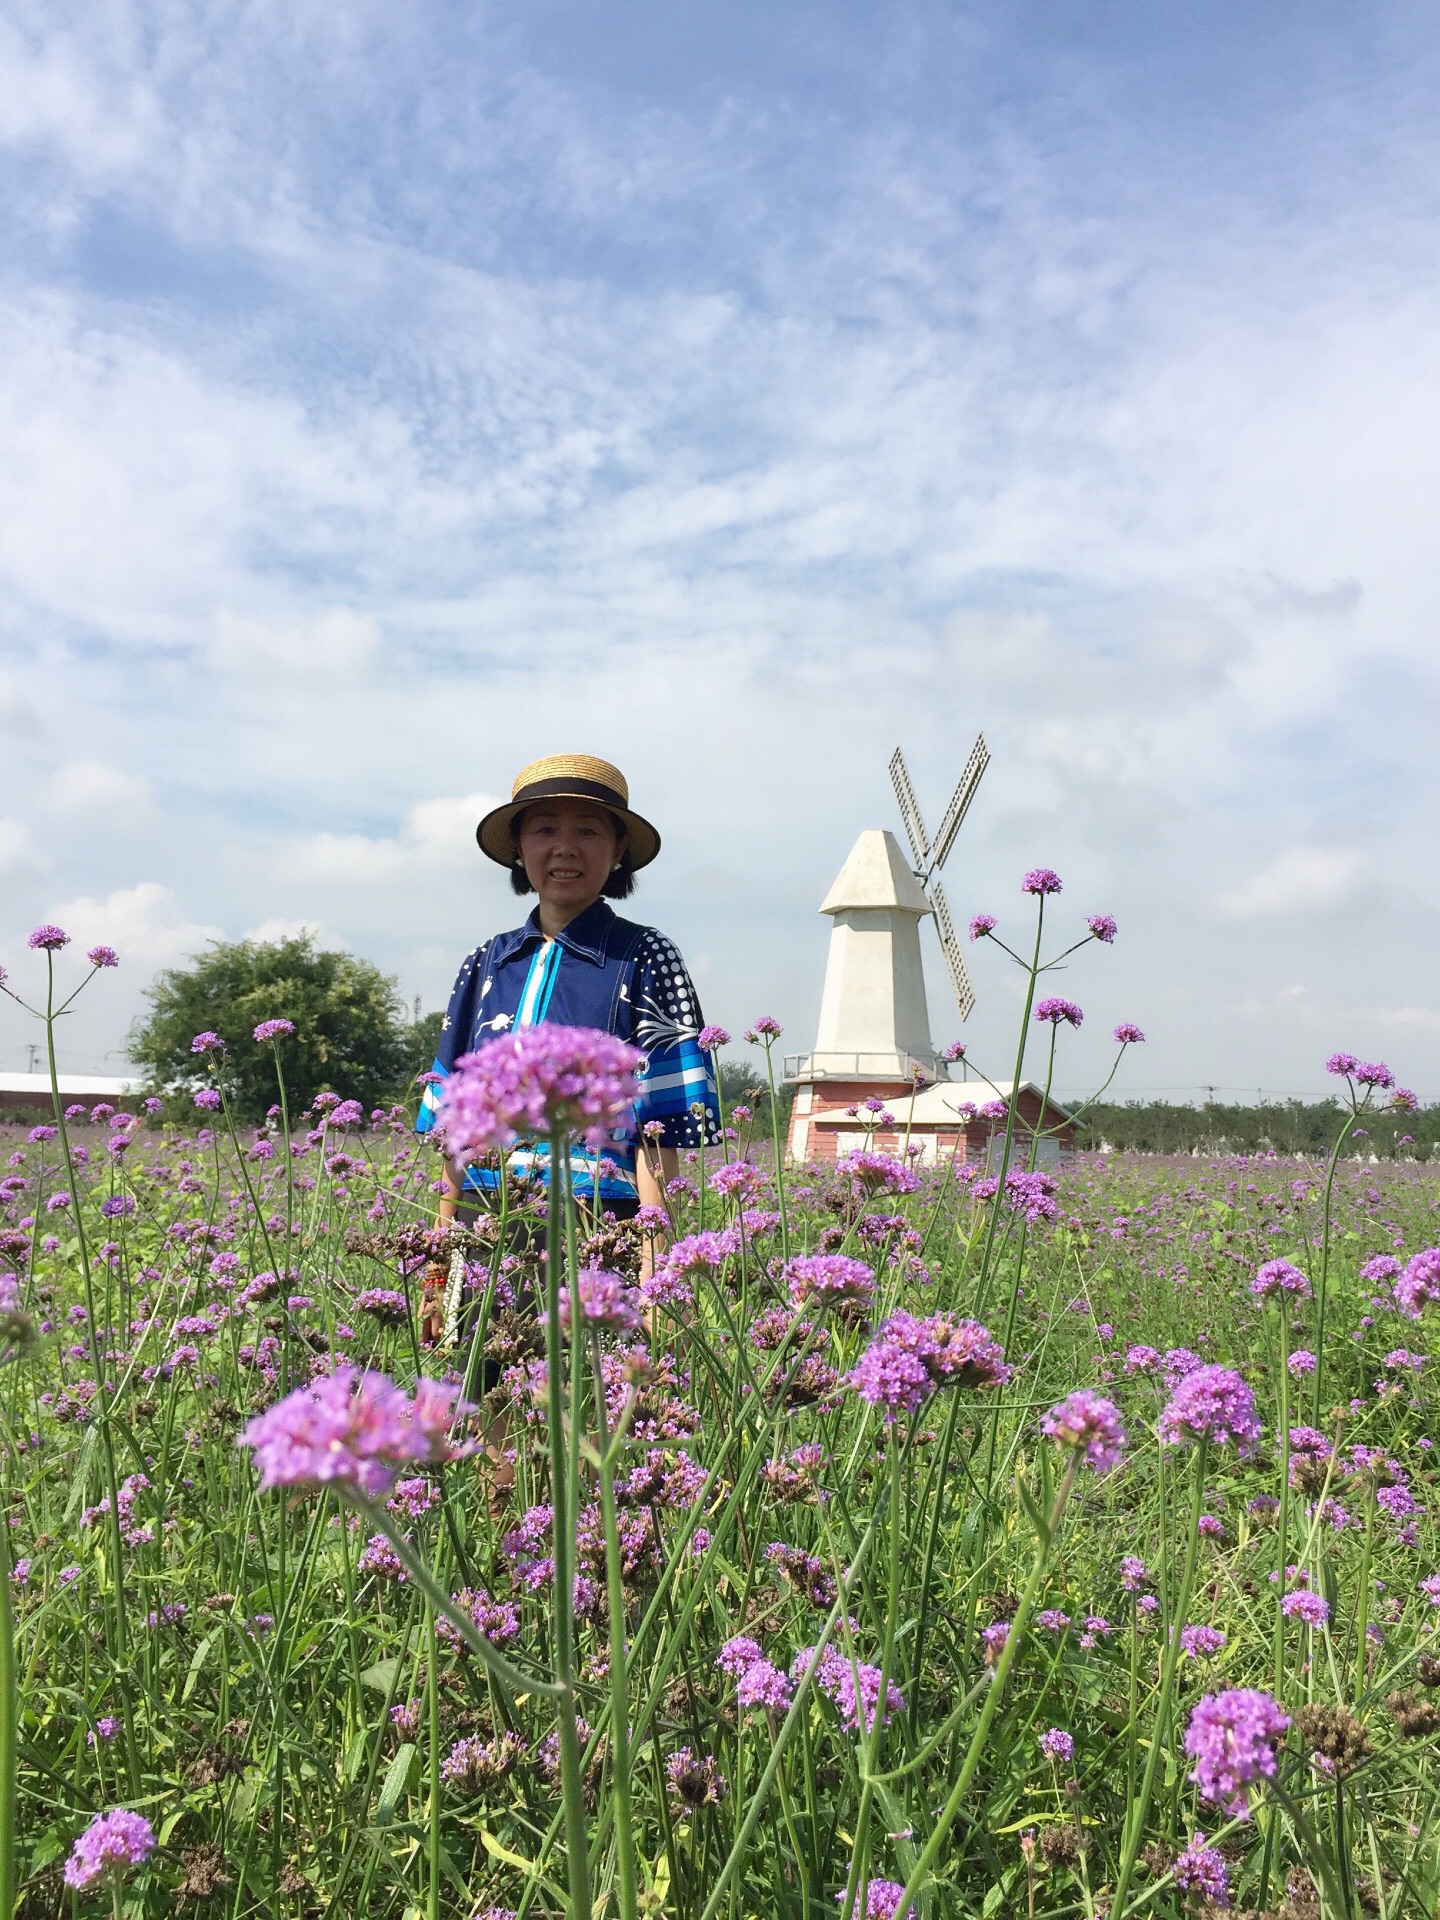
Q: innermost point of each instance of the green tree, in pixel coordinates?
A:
(351, 1035)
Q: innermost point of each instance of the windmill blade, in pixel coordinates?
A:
(950, 947)
(960, 800)
(909, 808)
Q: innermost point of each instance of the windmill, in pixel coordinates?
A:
(930, 856)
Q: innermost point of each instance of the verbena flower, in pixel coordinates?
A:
(1212, 1403)
(1306, 1606)
(1231, 1738)
(1087, 1421)
(1055, 1010)
(870, 1172)
(1041, 880)
(1102, 927)
(1419, 1283)
(350, 1428)
(712, 1038)
(386, 1304)
(49, 939)
(694, 1783)
(1278, 1277)
(829, 1279)
(1057, 1744)
(879, 1901)
(207, 1042)
(103, 957)
(114, 1843)
(1373, 1073)
(1343, 1064)
(982, 924)
(273, 1030)
(1301, 1362)
(575, 1081)
(1198, 1643)
(605, 1302)
(1202, 1869)
(1127, 1034)
(955, 1051)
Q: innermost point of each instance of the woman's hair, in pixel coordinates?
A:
(620, 884)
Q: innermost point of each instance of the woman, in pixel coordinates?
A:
(569, 835)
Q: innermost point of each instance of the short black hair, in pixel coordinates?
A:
(619, 886)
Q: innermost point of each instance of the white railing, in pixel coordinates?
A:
(826, 1064)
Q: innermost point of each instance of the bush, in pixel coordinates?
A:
(350, 1031)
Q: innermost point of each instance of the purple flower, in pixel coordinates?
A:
(1380, 1268)
(50, 940)
(567, 1080)
(1430, 1587)
(955, 1051)
(1102, 927)
(880, 1901)
(1202, 1869)
(762, 1685)
(207, 1042)
(348, 1113)
(114, 1842)
(1198, 1643)
(870, 1172)
(982, 924)
(1055, 1010)
(1086, 1419)
(853, 1685)
(768, 1027)
(208, 1099)
(117, 1206)
(711, 1039)
(1342, 1063)
(1374, 1073)
(1057, 1744)
(737, 1180)
(350, 1428)
(1419, 1283)
(1134, 1574)
(1278, 1277)
(1406, 1100)
(605, 1301)
(273, 1030)
(1141, 1360)
(384, 1304)
(1052, 1620)
(694, 1783)
(1306, 1606)
(1041, 880)
(1231, 1738)
(1301, 1362)
(1127, 1034)
(1211, 1403)
(103, 957)
(830, 1279)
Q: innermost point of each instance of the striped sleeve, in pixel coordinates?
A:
(677, 1076)
(458, 1025)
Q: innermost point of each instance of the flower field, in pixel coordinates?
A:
(851, 1541)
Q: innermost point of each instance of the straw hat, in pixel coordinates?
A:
(567, 776)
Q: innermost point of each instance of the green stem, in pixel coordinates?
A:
(9, 1754)
(1283, 1520)
(619, 1687)
(1323, 1286)
(432, 1702)
(572, 1789)
(1158, 1733)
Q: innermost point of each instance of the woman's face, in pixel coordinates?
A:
(568, 849)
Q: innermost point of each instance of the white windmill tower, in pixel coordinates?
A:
(874, 1030)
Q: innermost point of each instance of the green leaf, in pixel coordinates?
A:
(197, 1661)
(382, 1675)
(397, 1777)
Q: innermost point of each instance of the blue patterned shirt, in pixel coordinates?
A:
(599, 971)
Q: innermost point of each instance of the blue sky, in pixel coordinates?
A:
(389, 395)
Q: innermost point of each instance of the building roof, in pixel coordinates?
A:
(78, 1086)
(876, 874)
(939, 1105)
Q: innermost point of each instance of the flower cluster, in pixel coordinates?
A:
(1087, 1421)
(113, 1843)
(1419, 1283)
(909, 1358)
(830, 1280)
(1231, 1738)
(1277, 1278)
(1054, 1010)
(1211, 1403)
(352, 1429)
(540, 1080)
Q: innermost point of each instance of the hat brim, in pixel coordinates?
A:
(495, 834)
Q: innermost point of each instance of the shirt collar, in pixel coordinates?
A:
(587, 935)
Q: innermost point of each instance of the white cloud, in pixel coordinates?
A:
(106, 799)
(333, 642)
(1416, 1019)
(145, 925)
(1295, 880)
(435, 835)
(269, 931)
(17, 855)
